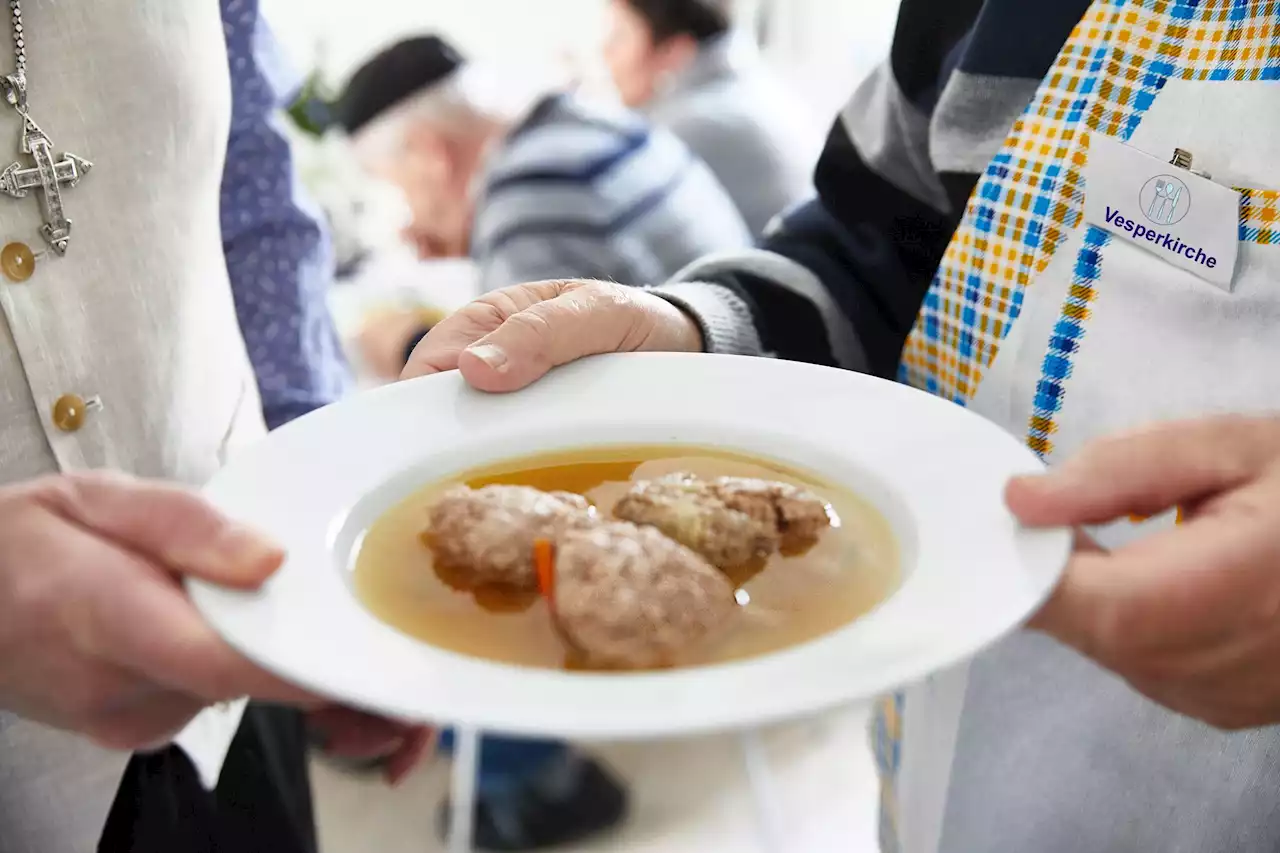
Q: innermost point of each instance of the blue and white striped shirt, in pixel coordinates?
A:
(583, 191)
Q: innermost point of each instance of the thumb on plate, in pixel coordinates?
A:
(168, 525)
(1142, 473)
(441, 350)
(590, 320)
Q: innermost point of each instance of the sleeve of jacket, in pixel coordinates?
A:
(276, 249)
(840, 280)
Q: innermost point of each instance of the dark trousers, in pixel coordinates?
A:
(262, 804)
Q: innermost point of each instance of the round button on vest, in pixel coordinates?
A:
(17, 262)
(69, 412)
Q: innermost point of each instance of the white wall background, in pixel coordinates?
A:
(348, 31)
(823, 47)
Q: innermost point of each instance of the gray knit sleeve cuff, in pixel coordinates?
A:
(725, 319)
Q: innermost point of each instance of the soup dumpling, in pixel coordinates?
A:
(730, 520)
(628, 597)
(797, 515)
(488, 534)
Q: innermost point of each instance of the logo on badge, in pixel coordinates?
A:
(1165, 200)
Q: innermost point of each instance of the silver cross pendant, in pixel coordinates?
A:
(47, 176)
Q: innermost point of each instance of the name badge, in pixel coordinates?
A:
(1178, 216)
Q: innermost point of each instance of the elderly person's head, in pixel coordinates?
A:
(650, 40)
(418, 119)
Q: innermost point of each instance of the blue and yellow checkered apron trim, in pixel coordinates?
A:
(1031, 197)
(1259, 216)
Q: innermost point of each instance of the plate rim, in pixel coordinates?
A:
(1054, 547)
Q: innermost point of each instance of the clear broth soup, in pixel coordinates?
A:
(786, 600)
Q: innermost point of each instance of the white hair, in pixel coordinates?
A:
(464, 102)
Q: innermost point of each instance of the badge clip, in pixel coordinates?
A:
(1182, 159)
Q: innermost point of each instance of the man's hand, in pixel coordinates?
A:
(512, 337)
(345, 733)
(1190, 616)
(96, 633)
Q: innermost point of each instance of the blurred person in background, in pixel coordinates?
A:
(682, 64)
(539, 187)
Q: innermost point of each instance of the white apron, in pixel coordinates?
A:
(139, 313)
(1031, 747)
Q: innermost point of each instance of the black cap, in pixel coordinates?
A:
(395, 74)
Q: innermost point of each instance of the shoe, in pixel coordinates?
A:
(569, 801)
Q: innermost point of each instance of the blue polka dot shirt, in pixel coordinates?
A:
(278, 254)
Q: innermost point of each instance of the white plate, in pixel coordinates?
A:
(936, 471)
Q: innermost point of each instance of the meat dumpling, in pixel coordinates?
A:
(487, 535)
(628, 597)
(689, 511)
(796, 515)
(730, 520)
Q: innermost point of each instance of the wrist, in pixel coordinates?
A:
(713, 318)
(681, 329)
